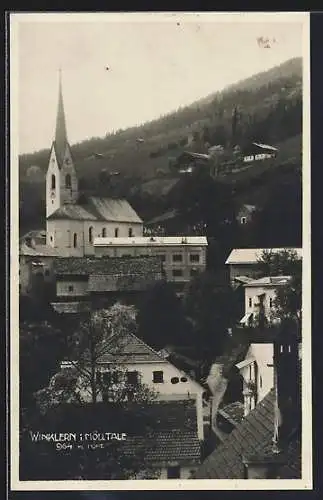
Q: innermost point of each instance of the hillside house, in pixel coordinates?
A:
(244, 261)
(84, 281)
(258, 152)
(72, 223)
(260, 295)
(183, 257)
(127, 362)
(245, 214)
(189, 162)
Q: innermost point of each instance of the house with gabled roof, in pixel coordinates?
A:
(82, 282)
(127, 360)
(266, 444)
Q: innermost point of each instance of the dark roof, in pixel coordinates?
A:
(165, 447)
(252, 437)
(128, 348)
(233, 412)
(192, 155)
(108, 266)
(130, 283)
(96, 208)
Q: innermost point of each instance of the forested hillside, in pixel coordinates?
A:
(268, 107)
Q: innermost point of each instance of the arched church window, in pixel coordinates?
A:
(53, 181)
(104, 232)
(75, 240)
(68, 181)
(91, 234)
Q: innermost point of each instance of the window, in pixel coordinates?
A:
(51, 238)
(194, 257)
(158, 377)
(193, 272)
(243, 220)
(183, 379)
(132, 378)
(173, 472)
(130, 232)
(163, 257)
(70, 288)
(47, 272)
(53, 182)
(68, 182)
(270, 302)
(116, 232)
(250, 302)
(260, 381)
(104, 232)
(91, 234)
(177, 273)
(174, 380)
(75, 240)
(177, 257)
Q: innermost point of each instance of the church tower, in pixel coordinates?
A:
(61, 179)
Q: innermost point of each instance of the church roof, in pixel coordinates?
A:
(60, 141)
(98, 209)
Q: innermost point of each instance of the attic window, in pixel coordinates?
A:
(183, 379)
(53, 181)
(174, 380)
(158, 377)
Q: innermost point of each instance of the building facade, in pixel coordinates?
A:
(182, 257)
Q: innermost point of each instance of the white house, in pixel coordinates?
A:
(261, 293)
(245, 261)
(72, 225)
(258, 374)
(127, 360)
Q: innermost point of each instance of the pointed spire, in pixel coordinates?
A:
(60, 133)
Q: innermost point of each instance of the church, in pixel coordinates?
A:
(71, 225)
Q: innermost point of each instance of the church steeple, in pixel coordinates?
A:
(60, 133)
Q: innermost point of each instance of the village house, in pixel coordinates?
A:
(189, 162)
(245, 214)
(258, 152)
(183, 257)
(266, 443)
(84, 282)
(245, 261)
(260, 297)
(127, 361)
(72, 223)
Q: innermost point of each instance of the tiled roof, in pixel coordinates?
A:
(130, 282)
(233, 412)
(96, 208)
(71, 307)
(253, 436)
(38, 235)
(112, 266)
(251, 255)
(152, 241)
(269, 281)
(165, 447)
(128, 348)
(38, 251)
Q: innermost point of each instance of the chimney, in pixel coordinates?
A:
(218, 385)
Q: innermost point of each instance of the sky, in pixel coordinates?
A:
(157, 63)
